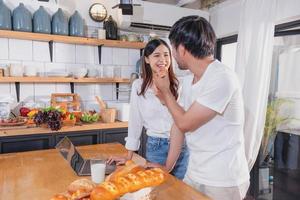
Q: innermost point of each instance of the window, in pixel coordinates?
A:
(226, 50)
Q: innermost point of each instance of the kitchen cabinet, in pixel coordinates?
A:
(42, 138)
(114, 135)
(81, 138)
(26, 143)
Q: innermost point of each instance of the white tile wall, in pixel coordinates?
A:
(85, 91)
(126, 71)
(64, 53)
(41, 51)
(44, 89)
(134, 56)
(63, 88)
(85, 54)
(20, 50)
(26, 91)
(4, 88)
(90, 105)
(107, 56)
(106, 91)
(3, 48)
(120, 56)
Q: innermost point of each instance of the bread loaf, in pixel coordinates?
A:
(81, 184)
(127, 179)
(119, 185)
(59, 197)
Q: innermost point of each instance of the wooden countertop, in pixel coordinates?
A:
(40, 130)
(38, 175)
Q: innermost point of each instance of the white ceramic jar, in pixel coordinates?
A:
(30, 71)
(4, 110)
(16, 70)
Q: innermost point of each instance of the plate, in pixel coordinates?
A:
(57, 74)
(19, 123)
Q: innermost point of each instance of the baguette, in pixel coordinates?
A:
(122, 182)
(127, 179)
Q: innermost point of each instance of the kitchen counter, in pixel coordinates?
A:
(37, 175)
(40, 130)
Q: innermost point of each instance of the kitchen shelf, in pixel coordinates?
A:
(70, 39)
(18, 80)
(61, 80)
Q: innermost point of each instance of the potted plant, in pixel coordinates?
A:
(274, 119)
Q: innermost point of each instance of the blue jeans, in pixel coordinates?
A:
(157, 152)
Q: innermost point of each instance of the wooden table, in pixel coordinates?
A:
(38, 175)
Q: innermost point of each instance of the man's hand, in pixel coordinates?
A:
(162, 83)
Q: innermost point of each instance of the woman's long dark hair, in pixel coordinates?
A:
(147, 75)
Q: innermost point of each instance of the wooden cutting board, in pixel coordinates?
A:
(17, 127)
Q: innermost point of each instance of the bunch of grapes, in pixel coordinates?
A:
(54, 120)
(39, 118)
(51, 117)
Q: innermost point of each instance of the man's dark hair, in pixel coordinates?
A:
(195, 34)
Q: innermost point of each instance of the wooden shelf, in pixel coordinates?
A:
(70, 39)
(61, 80)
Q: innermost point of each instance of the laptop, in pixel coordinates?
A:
(81, 166)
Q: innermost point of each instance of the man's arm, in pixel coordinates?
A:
(186, 121)
(176, 142)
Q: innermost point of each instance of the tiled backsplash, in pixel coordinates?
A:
(65, 57)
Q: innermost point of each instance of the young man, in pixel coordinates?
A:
(212, 116)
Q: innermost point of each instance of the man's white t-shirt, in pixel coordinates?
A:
(217, 156)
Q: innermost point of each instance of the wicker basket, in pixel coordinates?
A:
(65, 100)
(108, 115)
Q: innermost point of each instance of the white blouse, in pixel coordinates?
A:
(146, 111)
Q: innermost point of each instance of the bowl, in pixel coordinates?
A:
(92, 73)
(79, 72)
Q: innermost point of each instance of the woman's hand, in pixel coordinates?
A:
(118, 160)
(156, 165)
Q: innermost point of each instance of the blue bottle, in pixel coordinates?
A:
(22, 19)
(60, 25)
(5, 17)
(41, 21)
(76, 25)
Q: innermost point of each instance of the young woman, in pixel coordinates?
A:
(147, 110)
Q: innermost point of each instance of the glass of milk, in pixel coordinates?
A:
(98, 170)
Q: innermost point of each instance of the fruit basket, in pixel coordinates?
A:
(67, 101)
(69, 119)
(89, 117)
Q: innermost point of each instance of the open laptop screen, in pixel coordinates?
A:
(69, 152)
